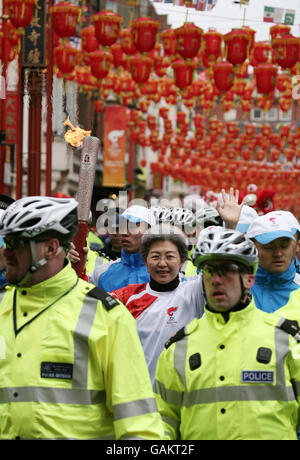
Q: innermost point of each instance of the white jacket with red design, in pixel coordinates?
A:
(159, 315)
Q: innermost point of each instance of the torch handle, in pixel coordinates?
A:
(79, 242)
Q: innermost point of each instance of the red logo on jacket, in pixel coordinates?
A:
(171, 311)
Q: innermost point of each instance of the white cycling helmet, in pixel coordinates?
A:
(162, 214)
(183, 216)
(216, 243)
(33, 216)
(208, 216)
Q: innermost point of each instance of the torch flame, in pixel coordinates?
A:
(75, 135)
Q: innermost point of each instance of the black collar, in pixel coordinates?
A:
(160, 287)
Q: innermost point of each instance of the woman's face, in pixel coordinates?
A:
(163, 261)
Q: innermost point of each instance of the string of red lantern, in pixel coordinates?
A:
(143, 63)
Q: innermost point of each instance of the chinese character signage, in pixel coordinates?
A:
(34, 49)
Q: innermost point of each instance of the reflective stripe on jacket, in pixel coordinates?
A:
(292, 309)
(230, 380)
(74, 370)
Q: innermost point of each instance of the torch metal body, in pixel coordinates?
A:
(89, 155)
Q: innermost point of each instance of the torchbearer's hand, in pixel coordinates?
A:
(73, 255)
(229, 208)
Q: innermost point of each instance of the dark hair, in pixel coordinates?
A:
(178, 239)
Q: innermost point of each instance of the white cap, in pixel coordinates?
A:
(139, 214)
(271, 226)
(289, 218)
(247, 216)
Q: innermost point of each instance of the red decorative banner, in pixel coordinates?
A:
(11, 117)
(114, 146)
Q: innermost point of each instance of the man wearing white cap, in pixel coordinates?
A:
(276, 276)
(130, 268)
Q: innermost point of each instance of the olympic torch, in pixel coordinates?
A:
(89, 153)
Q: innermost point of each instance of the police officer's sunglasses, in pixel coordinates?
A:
(16, 243)
(222, 270)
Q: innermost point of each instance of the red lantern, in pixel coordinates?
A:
(83, 76)
(156, 51)
(246, 154)
(246, 105)
(20, 11)
(144, 33)
(107, 27)
(275, 154)
(223, 75)
(285, 103)
(275, 139)
(289, 154)
(181, 117)
(237, 43)
(101, 61)
(212, 46)
(265, 78)
(261, 52)
(284, 131)
(125, 84)
(66, 57)
(163, 112)
(126, 41)
(109, 82)
(140, 68)
(248, 93)
(251, 33)
(286, 50)
(283, 82)
(88, 39)
(279, 29)
(168, 38)
(150, 87)
(65, 17)
(118, 55)
(266, 131)
(183, 73)
(188, 40)
(161, 65)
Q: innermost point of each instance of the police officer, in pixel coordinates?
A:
(234, 373)
(71, 365)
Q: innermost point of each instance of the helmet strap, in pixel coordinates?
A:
(35, 264)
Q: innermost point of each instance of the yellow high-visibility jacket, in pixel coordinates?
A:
(291, 310)
(230, 380)
(189, 269)
(93, 238)
(93, 259)
(71, 365)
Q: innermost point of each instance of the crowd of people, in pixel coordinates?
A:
(183, 326)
